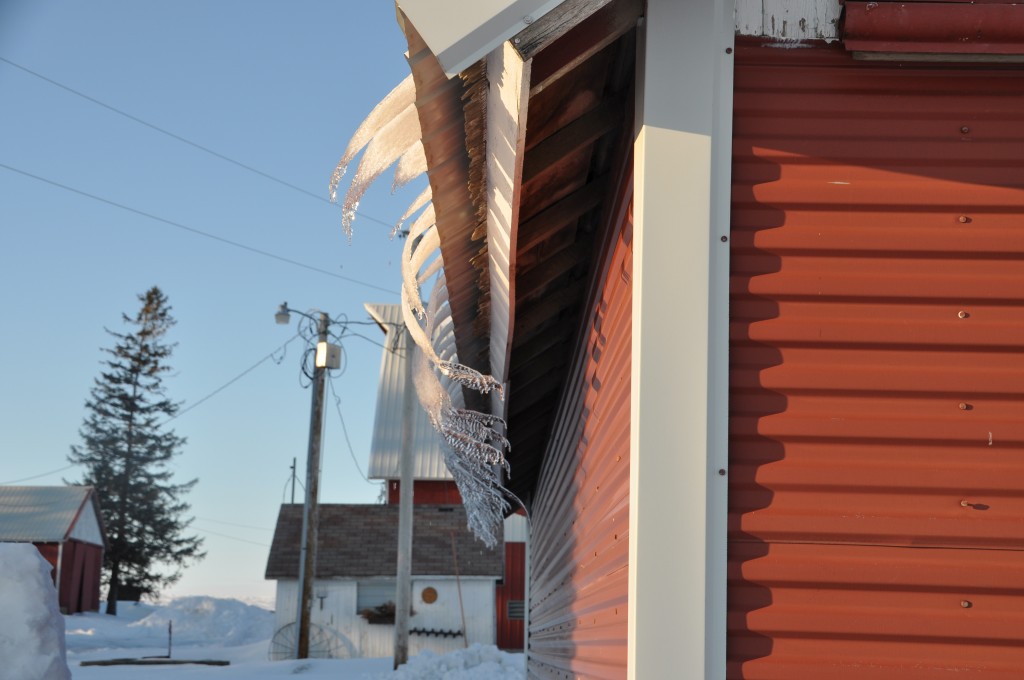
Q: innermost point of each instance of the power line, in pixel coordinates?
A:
(233, 538)
(233, 380)
(232, 524)
(44, 474)
(184, 140)
(193, 230)
(351, 451)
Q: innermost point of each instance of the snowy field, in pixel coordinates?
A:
(229, 630)
(204, 628)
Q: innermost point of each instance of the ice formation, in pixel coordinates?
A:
(475, 441)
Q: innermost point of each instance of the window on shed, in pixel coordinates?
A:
(372, 594)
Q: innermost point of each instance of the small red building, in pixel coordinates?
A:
(65, 524)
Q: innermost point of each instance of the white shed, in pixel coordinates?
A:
(453, 585)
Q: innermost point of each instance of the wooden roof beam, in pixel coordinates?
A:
(539, 227)
(578, 134)
(583, 41)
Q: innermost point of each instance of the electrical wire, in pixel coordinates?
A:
(232, 524)
(233, 380)
(193, 230)
(233, 538)
(284, 491)
(344, 429)
(184, 140)
(44, 474)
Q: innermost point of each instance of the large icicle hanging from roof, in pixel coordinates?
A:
(475, 443)
(390, 133)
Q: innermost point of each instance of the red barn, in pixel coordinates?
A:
(64, 523)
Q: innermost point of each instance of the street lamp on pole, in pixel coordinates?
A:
(327, 356)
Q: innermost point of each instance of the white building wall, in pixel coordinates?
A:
(339, 615)
(87, 528)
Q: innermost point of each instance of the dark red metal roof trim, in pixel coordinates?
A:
(934, 27)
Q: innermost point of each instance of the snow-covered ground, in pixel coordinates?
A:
(32, 642)
(229, 630)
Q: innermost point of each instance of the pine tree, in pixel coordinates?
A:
(126, 448)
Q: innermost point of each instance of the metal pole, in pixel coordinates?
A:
(403, 585)
(293, 481)
(310, 510)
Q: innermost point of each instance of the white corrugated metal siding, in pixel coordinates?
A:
(386, 446)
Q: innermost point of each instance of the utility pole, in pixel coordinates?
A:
(310, 510)
(403, 581)
(293, 481)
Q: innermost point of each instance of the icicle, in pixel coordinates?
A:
(411, 165)
(474, 442)
(394, 103)
(410, 268)
(385, 148)
(420, 201)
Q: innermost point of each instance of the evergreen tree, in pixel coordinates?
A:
(126, 448)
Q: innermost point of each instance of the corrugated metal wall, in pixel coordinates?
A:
(511, 590)
(386, 445)
(877, 369)
(581, 513)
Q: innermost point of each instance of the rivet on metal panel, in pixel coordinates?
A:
(725, 239)
(965, 129)
(527, 20)
(517, 41)
(963, 315)
(966, 604)
(728, 50)
(964, 406)
(721, 471)
(964, 219)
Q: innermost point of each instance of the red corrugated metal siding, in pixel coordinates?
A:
(49, 551)
(581, 514)
(513, 588)
(72, 571)
(89, 600)
(934, 27)
(427, 492)
(877, 369)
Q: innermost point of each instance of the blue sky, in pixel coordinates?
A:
(279, 87)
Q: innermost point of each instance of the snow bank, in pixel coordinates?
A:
(479, 662)
(209, 620)
(31, 628)
(218, 628)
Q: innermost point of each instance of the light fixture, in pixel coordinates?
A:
(282, 316)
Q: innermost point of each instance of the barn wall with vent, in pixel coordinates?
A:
(877, 368)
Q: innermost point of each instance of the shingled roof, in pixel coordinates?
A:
(362, 540)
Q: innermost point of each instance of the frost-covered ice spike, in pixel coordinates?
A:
(464, 375)
(394, 103)
(386, 147)
(411, 165)
(421, 200)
